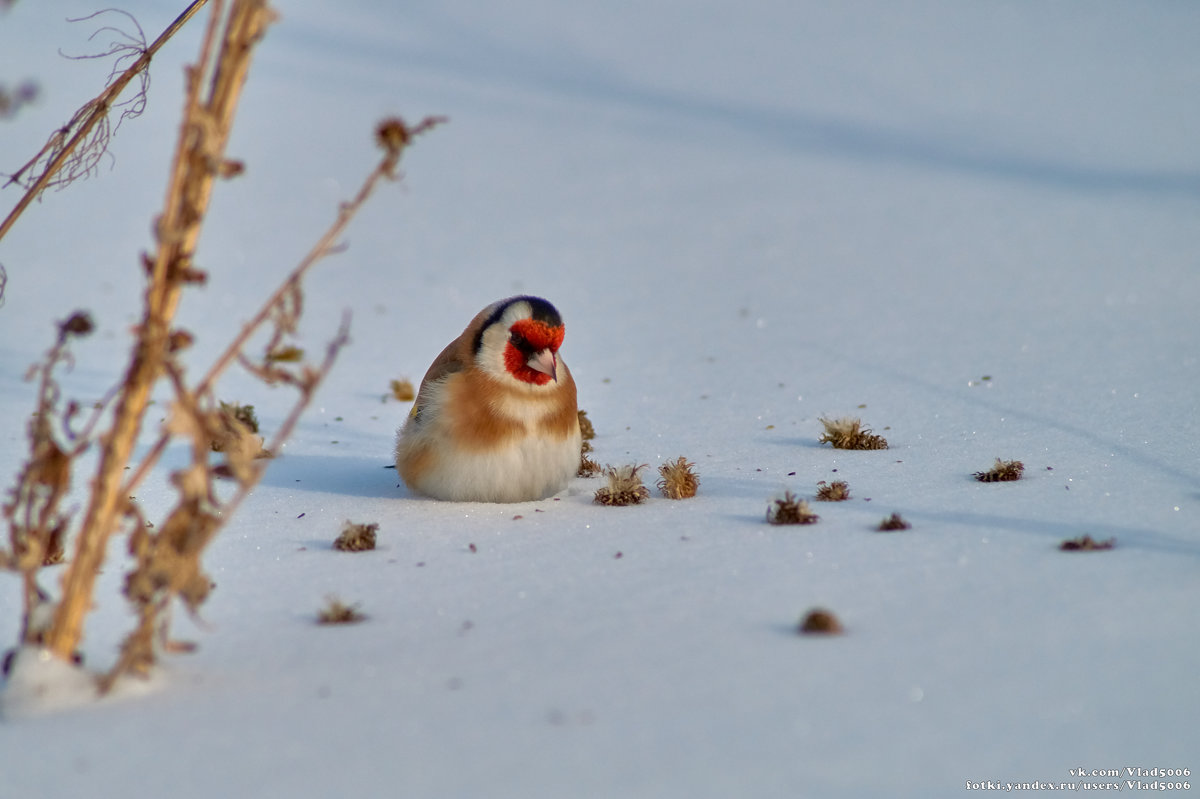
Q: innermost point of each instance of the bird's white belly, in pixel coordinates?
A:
(531, 468)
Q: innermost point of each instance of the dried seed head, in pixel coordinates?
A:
(790, 510)
(624, 486)
(356, 537)
(587, 467)
(338, 612)
(1002, 472)
(820, 621)
(678, 480)
(586, 429)
(893, 523)
(836, 491)
(77, 324)
(402, 390)
(848, 433)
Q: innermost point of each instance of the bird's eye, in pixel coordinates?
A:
(521, 343)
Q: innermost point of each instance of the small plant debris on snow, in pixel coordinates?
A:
(238, 429)
(848, 433)
(587, 467)
(678, 480)
(820, 621)
(836, 491)
(790, 510)
(356, 537)
(402, 391)
(893, 523)
(1086, 543)
(624, 486)
(1002, 472)
(585, 426)
(338, 612)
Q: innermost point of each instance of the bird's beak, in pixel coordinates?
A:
(545, 362)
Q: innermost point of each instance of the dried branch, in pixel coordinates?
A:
(78, 146)
(287, 295)
(37, 524)
(202, 138)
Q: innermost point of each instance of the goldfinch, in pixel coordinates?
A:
(495, 419)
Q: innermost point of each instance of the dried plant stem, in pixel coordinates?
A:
(386, 169)
(199, 155)
(88, 117)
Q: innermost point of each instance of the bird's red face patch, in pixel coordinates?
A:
(526, 337)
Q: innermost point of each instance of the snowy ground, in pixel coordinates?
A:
(750, 218)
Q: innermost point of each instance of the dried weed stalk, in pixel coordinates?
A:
(679, 481)
(848, 433)
(356, 537)
(167, 557)
(837, 491)
(75, 149)
(790, 510)
(1002, 472)
(37, 522)
(624, 486)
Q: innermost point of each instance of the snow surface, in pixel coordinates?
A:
(750, 217)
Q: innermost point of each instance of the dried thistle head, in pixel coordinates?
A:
(848, 433)
(587, 467)
(402, 390)
(836, 491)
(394, 134)
(338, 612)
(586, 429)
(356, 537)
(1002, 472)
(77, 324)
(893, 523)
(678, 480)
(820, 621)
(1086, 543)
(790, 510)
(624, 486)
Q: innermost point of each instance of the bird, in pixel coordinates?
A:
(496, 416)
